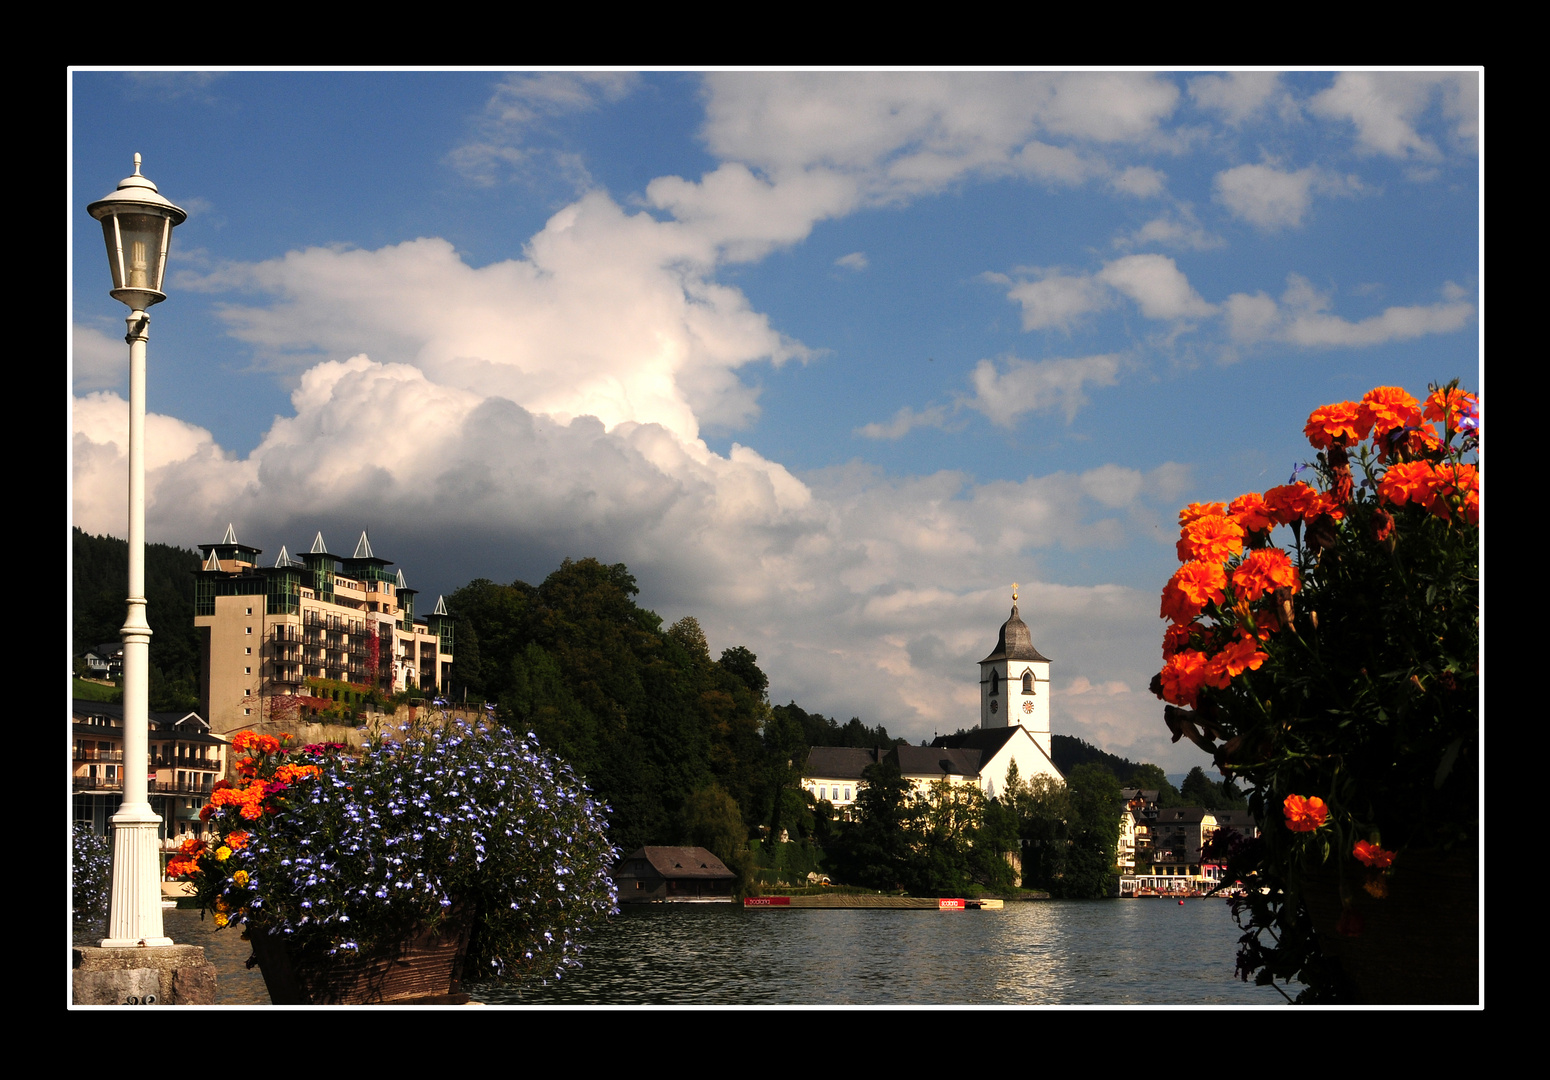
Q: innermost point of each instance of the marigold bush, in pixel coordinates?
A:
(1337, 674)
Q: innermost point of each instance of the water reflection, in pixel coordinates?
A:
(1136, 952)
(1131, 952)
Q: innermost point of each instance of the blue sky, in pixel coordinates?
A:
(827, 359)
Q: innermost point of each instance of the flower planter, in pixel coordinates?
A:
(423, 969)
(1420, 945)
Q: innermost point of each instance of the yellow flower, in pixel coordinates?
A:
(223, 853)
(221, 920)
(240, 877)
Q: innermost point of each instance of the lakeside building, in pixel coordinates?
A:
(655, 875)
(1161, 851)
(268, 633)
(186, 760)
(1014, 728)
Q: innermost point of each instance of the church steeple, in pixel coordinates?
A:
(1014, 681)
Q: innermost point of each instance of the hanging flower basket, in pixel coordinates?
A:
(425, 968)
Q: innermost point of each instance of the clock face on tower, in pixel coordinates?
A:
(994, 705)
(1027, 706)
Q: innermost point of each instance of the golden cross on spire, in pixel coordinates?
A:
(1014, 592)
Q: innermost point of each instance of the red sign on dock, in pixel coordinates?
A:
(949, 905)
(766, 901)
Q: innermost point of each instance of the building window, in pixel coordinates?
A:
(1028, 682)
(823, 793)
(995, 683)
(847, 794)
(247, 712)
(249, 631)
(247, 671)
(247, 692)
(250, 611)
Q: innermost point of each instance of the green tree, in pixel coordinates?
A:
(1094, 834)
(711, 820)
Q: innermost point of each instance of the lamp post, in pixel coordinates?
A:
(137, 224)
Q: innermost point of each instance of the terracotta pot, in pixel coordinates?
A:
(424, 968)
(1420, 945)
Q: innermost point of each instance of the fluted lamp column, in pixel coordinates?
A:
(137, 224)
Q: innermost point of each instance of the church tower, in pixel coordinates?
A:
(1014, 682)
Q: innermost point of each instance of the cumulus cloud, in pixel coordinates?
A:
(1178, 230)
(1055, 301)
(1140, 182)
(1273, 198)
(1157, 284)
(904, 421)
(97, 361)
(894, 136)
(528, 329)
(1387, 109)
(1236, 97)
(1302, 318)
(856, 260)
(1006, 391)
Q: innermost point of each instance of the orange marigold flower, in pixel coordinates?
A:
(1192, 586)
(252, 811)
(1250, 512)
(1450, 406)
(268, 744)
(1372, 855)
(1388, 407)
(181, 867)
(1183, 675)
(1210, 538)
(1264, 571)
(1293, 502)
(1455, 486)
(1304, 815)
(191, 846)
(1332, 424)
(240, 877)
(1382, 524)
(1177, 637)
(1407, 481)
(1197, 510)
(1242, 654)
(237, 840)
(244, 740)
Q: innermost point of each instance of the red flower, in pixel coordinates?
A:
(1250, 512)
(1385, 408)
(1293, 502)
(1304, 815)
(1372, 855)
(1210, 538)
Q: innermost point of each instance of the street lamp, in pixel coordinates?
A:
(137, 225)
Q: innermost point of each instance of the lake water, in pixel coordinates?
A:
(1115, 952)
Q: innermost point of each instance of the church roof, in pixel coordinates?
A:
(839, 762)
(988, 741)
(937, 761)
(1015, 642)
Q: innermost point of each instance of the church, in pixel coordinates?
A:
(1013, 727)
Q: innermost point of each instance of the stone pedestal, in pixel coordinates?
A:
(147, 975)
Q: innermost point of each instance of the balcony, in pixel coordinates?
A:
(98, 755)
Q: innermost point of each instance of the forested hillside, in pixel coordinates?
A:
(100, 584)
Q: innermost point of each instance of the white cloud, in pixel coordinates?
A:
(1005, 392)
(1386, 108)
(1140, 182)
(856, 260)
(1056, 301)
(1268, 197)
(904, 421)
(502, 141)
(1157, 284)
(528, 329)
(901, 134)
(1238, 96)
(1302, 318)
(1178, 231)
(97, 361)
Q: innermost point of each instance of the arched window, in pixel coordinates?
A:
(995, 683)
(1028, 681)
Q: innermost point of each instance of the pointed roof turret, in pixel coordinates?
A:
(318, 547)
(284, 558)
(362, 547)
(212, 563)
(1015, 642)
(231, 535)
(229, 551)
(441, 607)
(402, 584)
